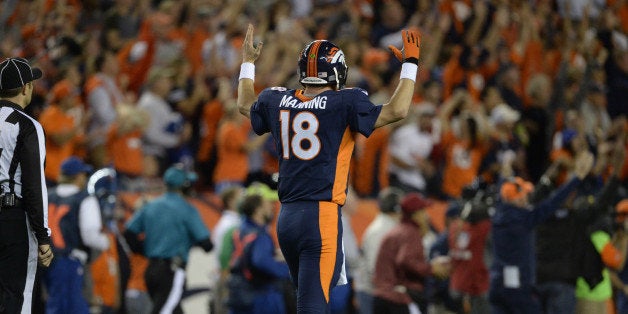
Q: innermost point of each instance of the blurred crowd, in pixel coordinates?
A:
(141, 85)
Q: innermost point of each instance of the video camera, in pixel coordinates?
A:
(478, 201)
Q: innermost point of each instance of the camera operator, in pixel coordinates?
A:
(468, 242)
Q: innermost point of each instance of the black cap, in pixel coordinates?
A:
(16, 72)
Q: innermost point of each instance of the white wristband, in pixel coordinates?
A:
(408, 71)
(247, 70)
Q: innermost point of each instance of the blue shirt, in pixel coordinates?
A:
(171, 227)
(262, 252)
(314, 138)
(513, 236)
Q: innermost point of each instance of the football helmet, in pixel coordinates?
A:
(322, 63)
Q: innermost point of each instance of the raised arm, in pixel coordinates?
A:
(397, 108)
(246, 90)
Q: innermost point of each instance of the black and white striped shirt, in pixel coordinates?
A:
(22, 157)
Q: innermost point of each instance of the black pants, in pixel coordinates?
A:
(384, 306)
(165, 284)
(14, 249)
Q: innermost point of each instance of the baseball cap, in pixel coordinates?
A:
(389, 199)
(413, 202)
(73, 165)
(176, 176)
(16, 72)
(515, 189)
(502, 113)
(262, 190)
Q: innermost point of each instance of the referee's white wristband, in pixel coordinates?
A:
(247, 70)
(408, 71)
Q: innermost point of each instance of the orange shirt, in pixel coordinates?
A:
(461, 164)
(194, 47)
(233, 163)
(125, 151)
(55, 122)
(138, 267)
(370, 162)
(212, 113)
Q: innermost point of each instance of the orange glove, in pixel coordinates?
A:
(411, 47)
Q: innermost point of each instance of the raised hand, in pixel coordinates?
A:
(583, 164)
(250, 51)
(411, 47)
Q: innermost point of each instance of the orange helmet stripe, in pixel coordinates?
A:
(312, 60)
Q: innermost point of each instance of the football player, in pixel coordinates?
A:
(313, 130)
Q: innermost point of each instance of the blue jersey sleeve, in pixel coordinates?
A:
(259, 116)
(362, 112)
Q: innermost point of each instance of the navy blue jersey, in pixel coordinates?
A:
(314, 138)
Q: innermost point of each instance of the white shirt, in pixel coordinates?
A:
(90, 221)
(156, 137)
(406, 144)
(228, 220)
(102, 103)
(371, 241)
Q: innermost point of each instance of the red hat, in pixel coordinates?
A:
(515, 189)
(413, 202)
(621, 210)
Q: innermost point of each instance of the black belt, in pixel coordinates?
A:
(173, 262)
(10, 200)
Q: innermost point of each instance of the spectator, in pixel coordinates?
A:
(166, 128)
(255, 271)
(234, 146)
(561, 240)
(77, 234)
(401, 269)
(537, 119)
(158, 44)
(63, 129)
(504, 143)
(593, 287)
(594, 108)
(462, 144)
(171, 226)
(441, 301)
(124, 146)
(370, 167)
(103, 93)
(229, 220)
(388, 201)
(411, 145)
(512, 273)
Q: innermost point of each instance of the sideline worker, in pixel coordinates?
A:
(171, 227)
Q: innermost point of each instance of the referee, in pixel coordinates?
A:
(23, 194)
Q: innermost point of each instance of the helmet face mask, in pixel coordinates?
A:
(322, 63)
